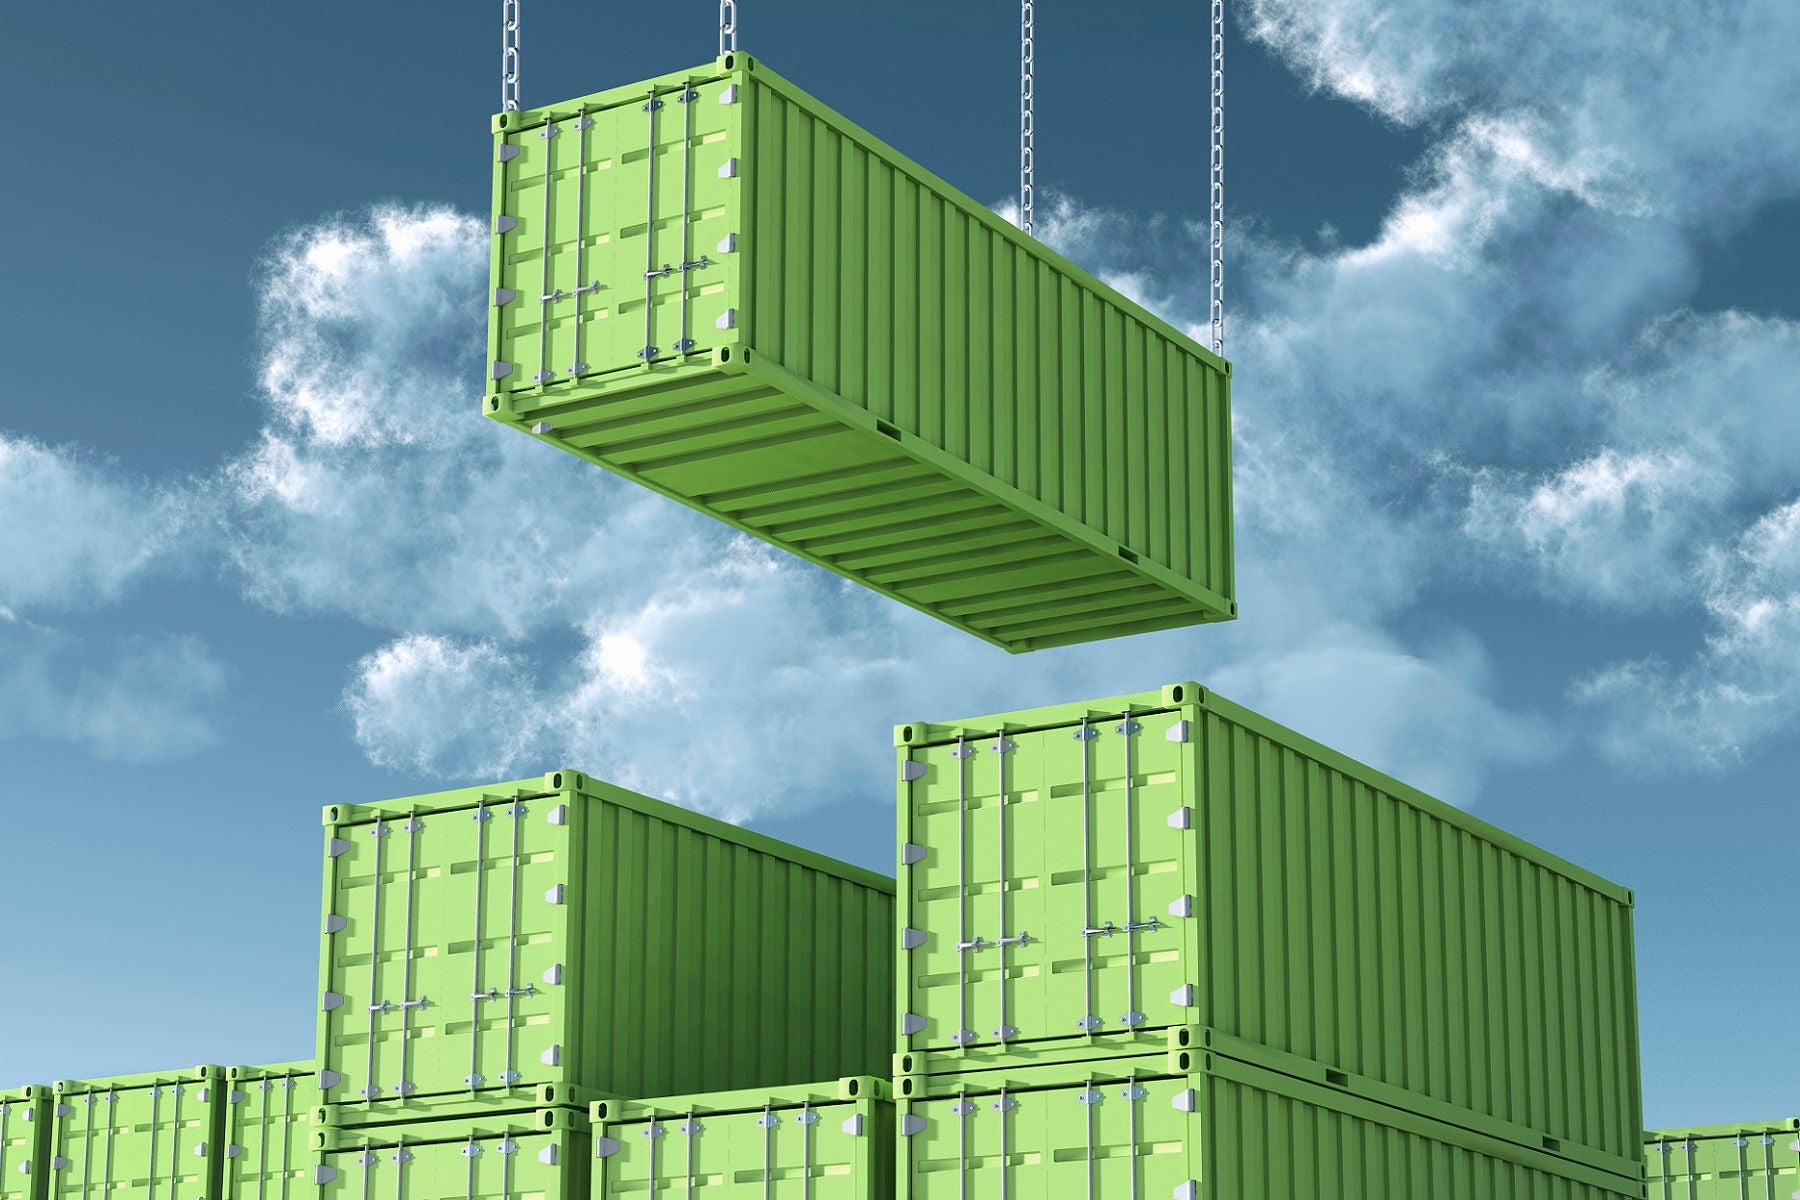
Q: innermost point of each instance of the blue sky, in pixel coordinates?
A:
(1514, 294)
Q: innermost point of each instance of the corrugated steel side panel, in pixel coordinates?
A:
(160, 1131)
(1222, 1130)
(24, 1141)
(580, 941)
(267, 1148)
(1286, 895)
(821, 1142)
(882, 284)
(544, 1154)
(1724, 1162)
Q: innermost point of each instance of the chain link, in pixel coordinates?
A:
(1217, 283)
(509, 55)
(727, 26)
(1027, 133)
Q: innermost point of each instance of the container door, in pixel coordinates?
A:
(148, 1141)
(618, 231)
(485, 1164)
(1048, 897)
(21, 1126)
(1119, 1139)
(448, 959)
(266, 1131)
(809, 1153)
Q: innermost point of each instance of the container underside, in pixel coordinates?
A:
(864, 501)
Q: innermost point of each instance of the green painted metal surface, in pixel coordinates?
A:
(1172, 858)
(267, 1148)
(824, 1142)
(482, 943)
(1212, 1128)
(529, 1155)
(159, 1134)
(1724, 1162)
(24, 1140)
(883, 378)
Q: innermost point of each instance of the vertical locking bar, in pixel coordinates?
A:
(474, 1080)
(768, 1128)
(174, 1144)
(1133, 1017)
(262, 1139)
(506, 1167)
(87, 1147)
(545, 297)
(367, 1159)
(155, 1130)
(1090, 1019)
(406, 997)
(1005, 1161)
(1001, 1032)
(469, 1152)
(649, 350)
(962, 1153)
(692, 1133)
(511, 1075)
(287, 1134)
(400, 1157)
(582, 122)
(685, 343)
(1132, 1100)
(106, 1156)
(806, 1146)
(369, 1089)
(964, 1034)
(1087, 1092)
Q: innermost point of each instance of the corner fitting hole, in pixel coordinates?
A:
(906, 1087)
(906, 733)
(1182, 1037)
(852, 1087)
(334, 814)
(908, 1064)
(603, 1111)
(556, 781)
(1127, 555)
(725, 354)
(1337, 1079)
(889, 430)
(503, 120)
(746, 356)
(494, 404)
(549, 1093)
(1176, 694)
(728, 61)
(1183, 1060)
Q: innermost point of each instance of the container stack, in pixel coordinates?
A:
(500, 964)
(1157, 931)
(1724, 1162)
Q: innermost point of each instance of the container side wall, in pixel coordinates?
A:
(746, 968)
(950, 326)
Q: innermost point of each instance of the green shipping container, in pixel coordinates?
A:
(549, 939)
(158, 1132)
(1204, 1127)
(529, 1155)
(24, 1140)
(267, 1139)
(1076, 878)
(826, 1142)
(1725, 1162)
(713, 285)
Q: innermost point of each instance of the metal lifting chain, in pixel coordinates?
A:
(509, 55)
(1027, 134)
(1217, 284)
(727, 26)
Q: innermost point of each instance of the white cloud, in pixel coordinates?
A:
(75, 533)
(426, 703)
(132, 700)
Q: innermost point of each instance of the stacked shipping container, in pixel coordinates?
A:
(1081, 884)
(1724, 1162)
(496, 959)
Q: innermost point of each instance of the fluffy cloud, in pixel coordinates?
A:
(73, 532)
(133, 700)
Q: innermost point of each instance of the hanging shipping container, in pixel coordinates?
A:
(268, 1150)
(528, 1155)
(157, 1132)
(713, 285)
(1207, 1128)
(24, 1140)
(558, 939)
(1725, 1162)
(827, 1142)
(1074, 879)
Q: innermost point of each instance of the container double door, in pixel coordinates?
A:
(542, 1156)
(24, 1132)
(444, 952)
(267, 1155)
(822, 1152)
(157, 1138)
(1047, 878)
